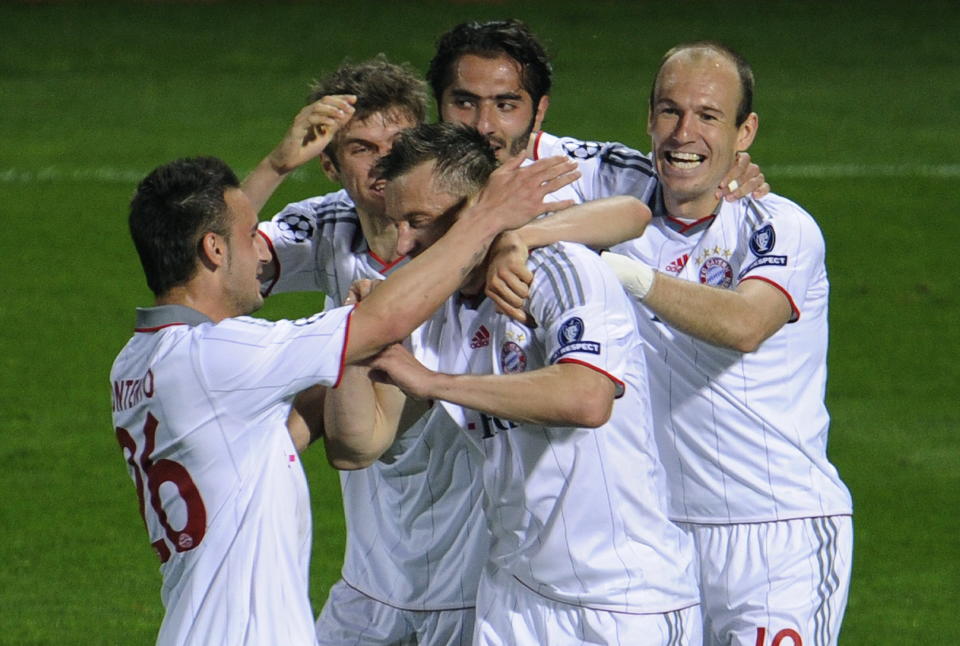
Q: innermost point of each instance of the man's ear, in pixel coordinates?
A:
(212, 250)
(329, 168)
(541, 112)
(747, 131)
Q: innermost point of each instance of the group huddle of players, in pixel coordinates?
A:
(605, 425)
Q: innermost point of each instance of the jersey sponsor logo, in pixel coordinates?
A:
(512, 358)
(127, 393)
(716, 272)
(490, 425)
(780, 261)
(481, 338)
(677, 265)
(763, 240)
(296, 226)
(582, 149)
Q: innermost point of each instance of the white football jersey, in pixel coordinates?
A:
(577, 515)
(606, 168)
(318, 246)
(415, 536)
(743, 436)
(200, 412)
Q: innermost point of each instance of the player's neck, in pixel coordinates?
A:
(380, 234)
(199, 297)
(691, 210)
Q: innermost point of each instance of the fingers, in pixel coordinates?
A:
(323, 118)
(744, 178)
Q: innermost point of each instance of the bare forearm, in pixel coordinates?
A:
(260, 184)
(361, 420)
(551, 396)
(598, 224)
(721, 317)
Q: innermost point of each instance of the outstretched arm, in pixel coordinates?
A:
(312, 129)
(564, 394)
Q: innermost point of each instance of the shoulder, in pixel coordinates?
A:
(782, 214)
(567, 272)
(301, 220)
(608, 152)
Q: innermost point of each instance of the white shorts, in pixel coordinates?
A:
(510, 613)
(781, 583)
(351, 617)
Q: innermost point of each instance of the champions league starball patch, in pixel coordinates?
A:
(581, 149)
(716, 272)
(512, 358)
(296, 227)
(763, 240)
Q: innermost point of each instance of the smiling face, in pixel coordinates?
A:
(487, 94)
(246, 254)
(693, 129)
(359, 145)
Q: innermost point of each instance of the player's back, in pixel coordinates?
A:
(220, 487)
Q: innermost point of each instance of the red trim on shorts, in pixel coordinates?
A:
(343, 353)
(793, 306)
(621, 387)
(265, 291)
(148, 330)
(536, 146)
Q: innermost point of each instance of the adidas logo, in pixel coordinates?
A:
(481, 338)
(677, 265)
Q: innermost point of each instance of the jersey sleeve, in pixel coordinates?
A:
(274, 359)
(580, 311)
(607, 168)
(293, 236)
(787, 251)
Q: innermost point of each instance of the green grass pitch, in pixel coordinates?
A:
(858, 105)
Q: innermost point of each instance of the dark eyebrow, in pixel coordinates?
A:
(506, 96)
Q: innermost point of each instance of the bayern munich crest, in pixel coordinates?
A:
(716, 272)
(512, 358)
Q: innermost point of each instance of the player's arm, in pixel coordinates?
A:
(362, 419)
(511, 198)
(597, 224)
(564, 394)
(739, 319)
(312, 129)
(305, 421)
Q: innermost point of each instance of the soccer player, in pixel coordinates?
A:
(574, 494)
(416, 539)
(201, 392)
(733, 305)
(496, 77)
